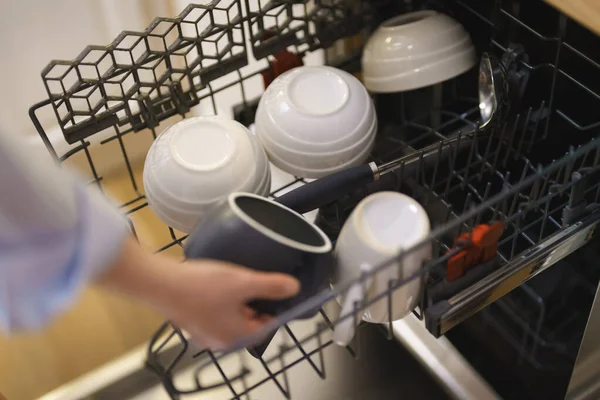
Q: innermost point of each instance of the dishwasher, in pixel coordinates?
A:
(520, 323)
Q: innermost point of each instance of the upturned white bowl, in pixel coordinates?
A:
(415, 50)
(315, 117)
(198, 162)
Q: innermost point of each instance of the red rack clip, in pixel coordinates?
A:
(283, 61)
(479, 246)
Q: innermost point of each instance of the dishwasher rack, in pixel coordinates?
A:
(536, 172)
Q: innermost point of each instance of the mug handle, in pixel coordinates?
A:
(344, 330)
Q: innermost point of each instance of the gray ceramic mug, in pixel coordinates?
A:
(261, 234)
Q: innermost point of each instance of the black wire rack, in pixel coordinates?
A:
(536, 171)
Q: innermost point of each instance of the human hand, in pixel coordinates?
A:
(207, 298)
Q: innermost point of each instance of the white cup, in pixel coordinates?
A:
(378, 229)
(317, 120)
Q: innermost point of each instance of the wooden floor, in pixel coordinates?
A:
(99, 328)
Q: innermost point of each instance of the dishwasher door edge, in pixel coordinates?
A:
(442, 360)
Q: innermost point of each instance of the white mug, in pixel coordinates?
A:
(378, 229)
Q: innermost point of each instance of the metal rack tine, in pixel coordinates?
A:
(536, 128)
(596, 157)
(127, 162)
(516, 235)
(331, 326)
(484, 162)
(472, 151)
(466, 206)
(319, 372)
(88, 157)
(499, 149)
(434, 176)
(517, 154)
(222, 373)
(245, 370)
(570, 165)
(391, 286)
(273, 378)
(486, 194)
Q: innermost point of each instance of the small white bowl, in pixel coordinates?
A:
(198, 162)
(415, 50)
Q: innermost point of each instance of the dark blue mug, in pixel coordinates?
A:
(263, 235)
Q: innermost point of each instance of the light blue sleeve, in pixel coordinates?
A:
(55, 236)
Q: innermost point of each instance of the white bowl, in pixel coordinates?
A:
(158, 196)
(312, 173)
(315, 118)
(198, 162)
(315, 108)
(322, 160)
(415, 50)
(184, 219)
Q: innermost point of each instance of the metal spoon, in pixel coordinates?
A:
(494, 103)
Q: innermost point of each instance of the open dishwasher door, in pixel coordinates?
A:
(506, 206)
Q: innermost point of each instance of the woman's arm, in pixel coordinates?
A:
(56, 236)
(208, 298)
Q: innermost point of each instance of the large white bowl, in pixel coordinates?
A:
(317, 116)
(360, 134)
(312, 173)
(199, 161)
(184, 219)
(316, 165)
(415, 50)
(317, 108)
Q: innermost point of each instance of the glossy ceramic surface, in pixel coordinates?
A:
(415, 50)
(379, 228)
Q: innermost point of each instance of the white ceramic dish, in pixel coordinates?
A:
(289, 139)
(415, 50)
(380, 226)
(311, 173)
(315, 116)
(198, 162)
(312, 165)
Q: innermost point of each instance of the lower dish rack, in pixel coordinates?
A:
(541, 201)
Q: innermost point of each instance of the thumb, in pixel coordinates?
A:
(269, 286)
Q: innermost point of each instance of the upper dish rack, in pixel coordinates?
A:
(537, 172)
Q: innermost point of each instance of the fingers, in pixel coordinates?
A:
(226, 336)
(268, 286)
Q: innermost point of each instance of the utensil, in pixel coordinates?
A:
(261, 234)
(381, 225)
(316, 120)
(415, 50)
(494, 105)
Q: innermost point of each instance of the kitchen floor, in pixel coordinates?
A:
(100, 326)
